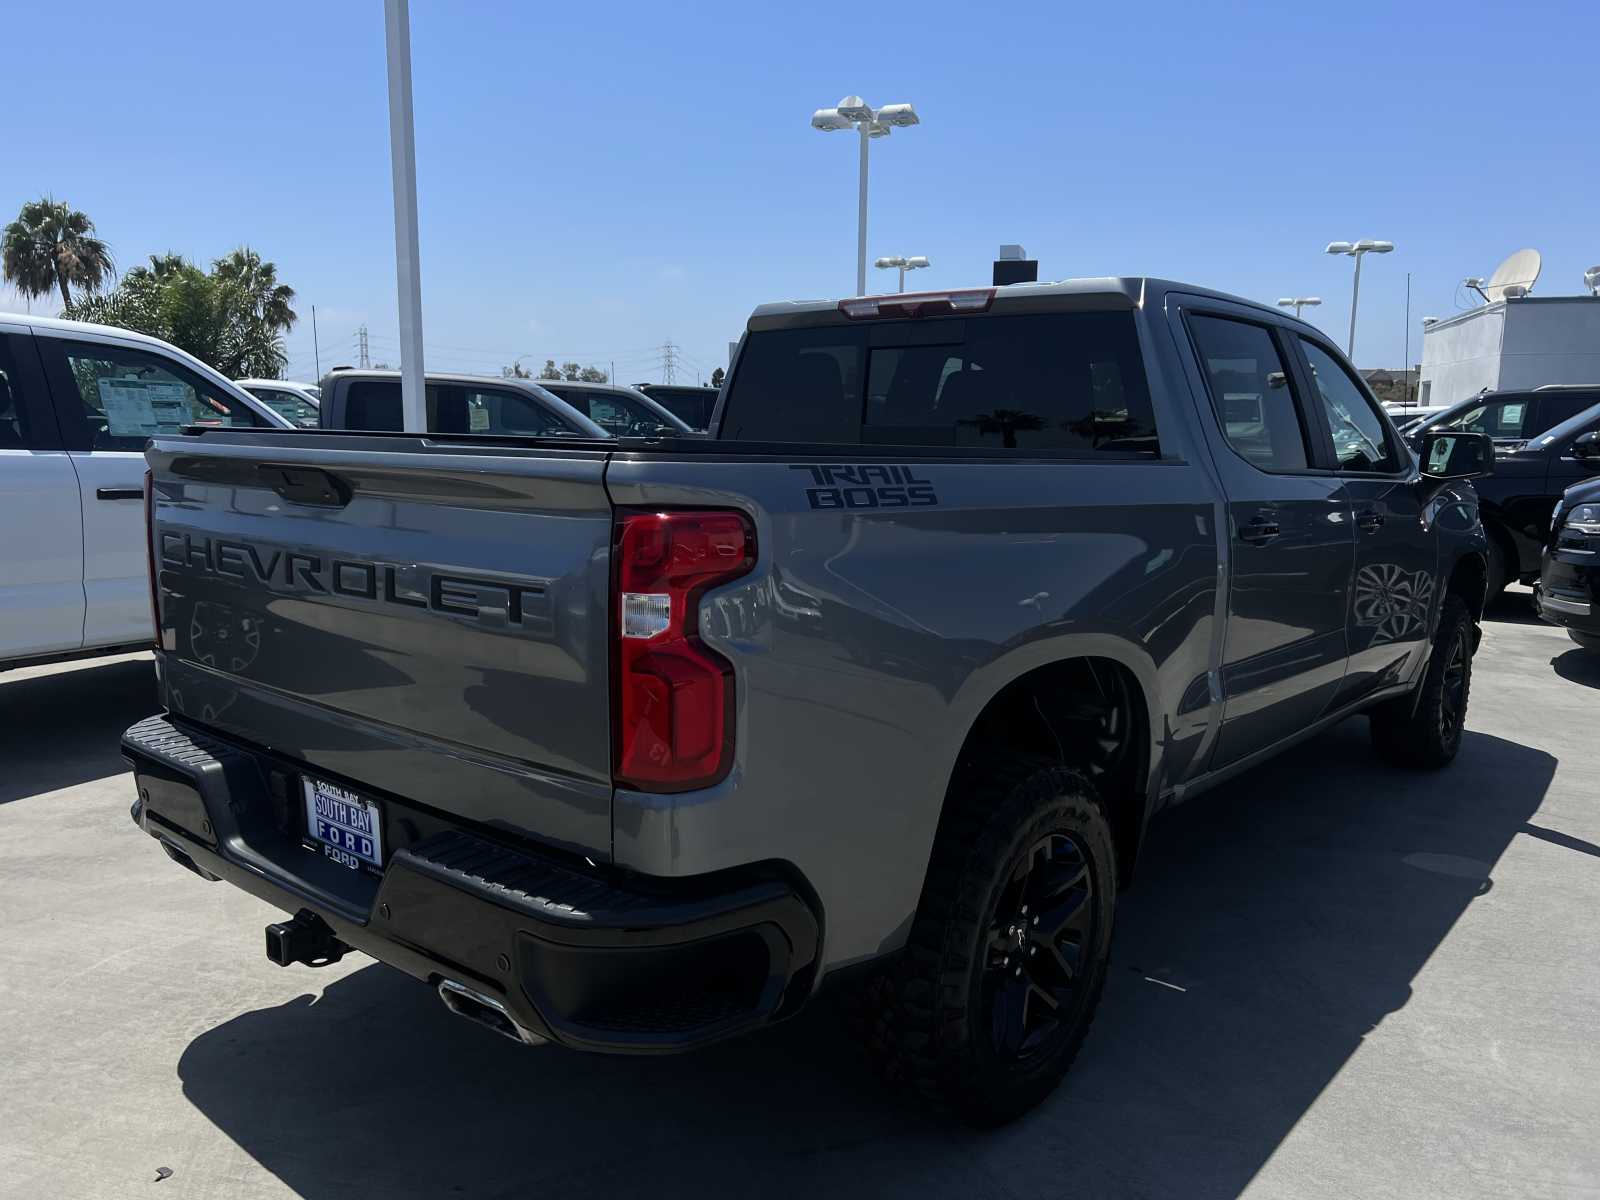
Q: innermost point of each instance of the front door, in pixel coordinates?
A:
(1292, 543)
(41, 529)
(110, 398)
(1392, 593)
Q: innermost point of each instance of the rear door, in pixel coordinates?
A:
(41, 522)
(1292, 545)
(1392, 594)
(110, 398)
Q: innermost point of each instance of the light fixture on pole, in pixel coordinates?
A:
(1299, 302)
(1356, 250)
(855, 113)
(915, 262)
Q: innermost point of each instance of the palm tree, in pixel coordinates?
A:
(257, 280)
(51, 245)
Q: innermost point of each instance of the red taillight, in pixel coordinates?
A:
(917, 304)
(674, 695)
(150, 557)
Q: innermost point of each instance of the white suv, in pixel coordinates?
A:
(77, 404)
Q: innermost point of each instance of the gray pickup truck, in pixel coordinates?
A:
(629, 745)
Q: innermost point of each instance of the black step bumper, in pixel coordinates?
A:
(590, 958)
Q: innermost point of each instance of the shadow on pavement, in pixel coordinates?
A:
(1276, 922)
(1513, 607)
(65, 728)
(1578, 666)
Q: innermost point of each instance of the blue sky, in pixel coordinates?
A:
(597, 179)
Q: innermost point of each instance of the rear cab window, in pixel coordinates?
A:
(1032, 382)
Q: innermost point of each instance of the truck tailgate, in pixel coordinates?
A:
(425, 620)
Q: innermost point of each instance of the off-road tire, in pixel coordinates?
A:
(1497, 569)
(1586, 641)
(929, 1021)
(1428, 732)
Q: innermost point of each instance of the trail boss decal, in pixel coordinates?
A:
(873, 485)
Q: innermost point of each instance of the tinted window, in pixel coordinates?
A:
(618, 413)
(691, 405)
(1067, 381)
(129, 396)
(1251, 393)
(1360, 441)
(15, 432)
(1556, 407)
(452, 408)
(374, 404)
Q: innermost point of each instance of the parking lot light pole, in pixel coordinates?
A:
(1299, 302)
(407, 265)
(1356, 250)
(854, 113)
(915, 262)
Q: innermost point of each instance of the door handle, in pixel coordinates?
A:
(1369, 520)
(1260, 529)
(119, 493)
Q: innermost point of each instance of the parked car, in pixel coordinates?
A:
(1512, 418)
(370, 400)
(1410, 418)
(620, 411)
(1529, 477)
(631, 747)
(1568, 592)
(692, 405)
(77, 404)
(296, 401)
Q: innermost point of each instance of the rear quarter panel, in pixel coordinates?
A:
(868, 640)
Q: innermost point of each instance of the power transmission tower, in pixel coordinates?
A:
(361, 336)
(669, 362)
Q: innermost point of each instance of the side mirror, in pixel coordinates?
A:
(1454, 454)
(1586, 445)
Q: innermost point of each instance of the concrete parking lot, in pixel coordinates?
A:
(1333, 980)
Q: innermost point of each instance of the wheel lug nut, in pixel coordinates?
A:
(1024, 910)
(1032, 950)
(1036, 920)
(1019, 972)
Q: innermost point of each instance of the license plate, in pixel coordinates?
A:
(348, 828)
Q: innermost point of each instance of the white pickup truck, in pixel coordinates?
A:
(77, 404)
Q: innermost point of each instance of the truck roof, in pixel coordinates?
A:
(1126, 291)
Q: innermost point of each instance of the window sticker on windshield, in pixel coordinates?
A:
(477, 419)
(143, 407)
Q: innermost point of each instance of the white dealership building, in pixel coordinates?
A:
(1520, 342)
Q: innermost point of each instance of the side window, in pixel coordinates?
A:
(1251, 393)
(494, 411)
(16, 432)
(1497, 418)
(1556, 407)
(1360, 441)
(373, 404)
(128, 396)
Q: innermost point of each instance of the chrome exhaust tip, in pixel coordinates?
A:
(484, 1010)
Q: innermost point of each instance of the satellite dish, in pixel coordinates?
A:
(1518, 270)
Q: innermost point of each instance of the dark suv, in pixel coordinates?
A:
(1535, 461)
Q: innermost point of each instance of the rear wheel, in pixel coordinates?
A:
(988, 1006)
(1427, 732)
(1587, 641)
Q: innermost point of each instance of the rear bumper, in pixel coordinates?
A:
(594, 959)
